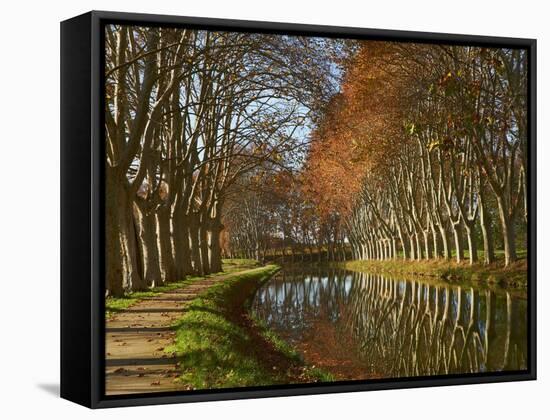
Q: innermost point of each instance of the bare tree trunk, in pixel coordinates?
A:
(437, 246)
(121, 260)
(405, 248)
(203, 243)
(445, 241)
(215, 248)
(418, 246)
(472, 245)
(508, 233)
(166, 253)
(114, 252)
(485, 221)
(412, 255)
(195, 244)
(182, 250)
(458, 242)
(427, 247)
(145, 226)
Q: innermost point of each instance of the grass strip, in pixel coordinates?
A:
(219, 346)
(513, 277)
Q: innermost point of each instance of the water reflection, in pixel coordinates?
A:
(395, 328)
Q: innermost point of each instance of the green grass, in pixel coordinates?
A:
(513, 277)
(217, 349)
(229, 262)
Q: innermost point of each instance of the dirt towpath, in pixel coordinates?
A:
(136, 337)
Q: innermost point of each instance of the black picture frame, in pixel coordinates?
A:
(82, 218)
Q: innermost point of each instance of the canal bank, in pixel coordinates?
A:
(512, 278)
(218, 344)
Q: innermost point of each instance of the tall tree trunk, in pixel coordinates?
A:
(486, 231)
(412, 254)
(472, 244)
(195, 244)
(203, 242)
(166, 253)
(215, 248)
(437, 246)
(146, 232)
(418, 246)
(508, 233)
(114, 252)
(427, 247)
(458, 242)
(180, 241)
(445, 242)
(405, 247)
(120, 253)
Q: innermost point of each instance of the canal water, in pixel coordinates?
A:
(365, 326)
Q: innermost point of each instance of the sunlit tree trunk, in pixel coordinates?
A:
(459, 249)
(203, 231)
(427, 247)
(195, 244)
(164, 244)
(508, 232)
(445, 242)
(145, 225)
(486, 230)
(472, 244)
(412, 247)
(418, 246)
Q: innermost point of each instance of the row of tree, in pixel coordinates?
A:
(421, 154)
(424, 152)
(187, 114)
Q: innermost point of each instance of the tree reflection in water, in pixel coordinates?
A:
(400, 327)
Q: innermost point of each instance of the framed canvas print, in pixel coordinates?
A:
(256, 209)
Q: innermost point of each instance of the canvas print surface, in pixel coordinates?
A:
(285, 209)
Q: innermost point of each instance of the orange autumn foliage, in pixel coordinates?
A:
(360, 131)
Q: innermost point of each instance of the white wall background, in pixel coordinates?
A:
(29, 209)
